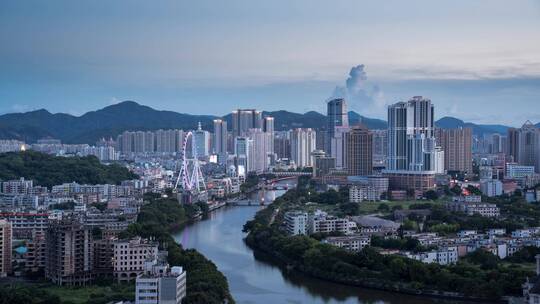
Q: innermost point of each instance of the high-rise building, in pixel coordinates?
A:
(337, 116)
(169, 141)
(529, 146)
(303, 142)
(457, 147)
(220, 136)
(69, 255)
(5, 248)
(512, 145)
(411, 141)
(262, 148)
(201, 140)
(359, 151)
(338, 148)
(243, 120)
(411, 145)
(282, 144)
(380, 147)
(244, 155)
(498, 143)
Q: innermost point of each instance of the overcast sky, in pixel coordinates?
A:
(476, 60)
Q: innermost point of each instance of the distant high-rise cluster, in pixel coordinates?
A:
(160, 141)
(524, 145)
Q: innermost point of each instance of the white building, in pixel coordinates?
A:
(130, 257)
(338, 148)
(201, 142)
(296, 222)
(303, 142)
(352, 242)
(159, 284)
(321, 223)
(518, 171)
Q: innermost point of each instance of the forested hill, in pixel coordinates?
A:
(47, 170)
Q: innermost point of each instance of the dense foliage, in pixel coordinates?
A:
(205, 283)
(47, 170)
(476, 276)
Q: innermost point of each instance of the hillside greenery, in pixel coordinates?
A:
(48, 170)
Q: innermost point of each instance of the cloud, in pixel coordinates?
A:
(361, 96)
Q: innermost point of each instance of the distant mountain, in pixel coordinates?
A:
(128, 115)
(109, 121)
(452, 123)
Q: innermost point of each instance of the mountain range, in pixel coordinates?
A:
(128, 115)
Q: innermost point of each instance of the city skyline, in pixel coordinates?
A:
(241, 55)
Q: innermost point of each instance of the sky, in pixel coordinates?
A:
(476, 60)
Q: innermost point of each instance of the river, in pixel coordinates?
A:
(255, 279)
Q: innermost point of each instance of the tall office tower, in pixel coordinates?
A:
(243, 120)
(457, 147)
(5, 248)
(261, 149)
(201, 140)
(338, 149)
(244, 155)
(220, 136)
(512, 145)
(380, 147)
(411, 141)
(282, 144)
(411, 145)
(529, 146)
(68, 259)
(498, 143)
(337, 116)
(303, 142)
(359, 151)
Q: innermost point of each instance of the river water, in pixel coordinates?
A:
(254, 278)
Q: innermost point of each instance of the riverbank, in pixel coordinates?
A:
(159, 219)
(369, 269)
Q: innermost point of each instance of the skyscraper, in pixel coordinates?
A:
(359, 151)
(220, 136)
(303, 142)
(380, 147)
(529, 146)
(336, 117)
(243, 120)
(201, 140)
(244, 155)
(338, 149)
(411, 141)
(512, 146)
(262, 145)
(411, 145)
(282, 144)
(457, 147)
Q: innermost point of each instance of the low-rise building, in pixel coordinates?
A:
(160, 284)
(350, 242)
(483, 209)
(296, 222)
